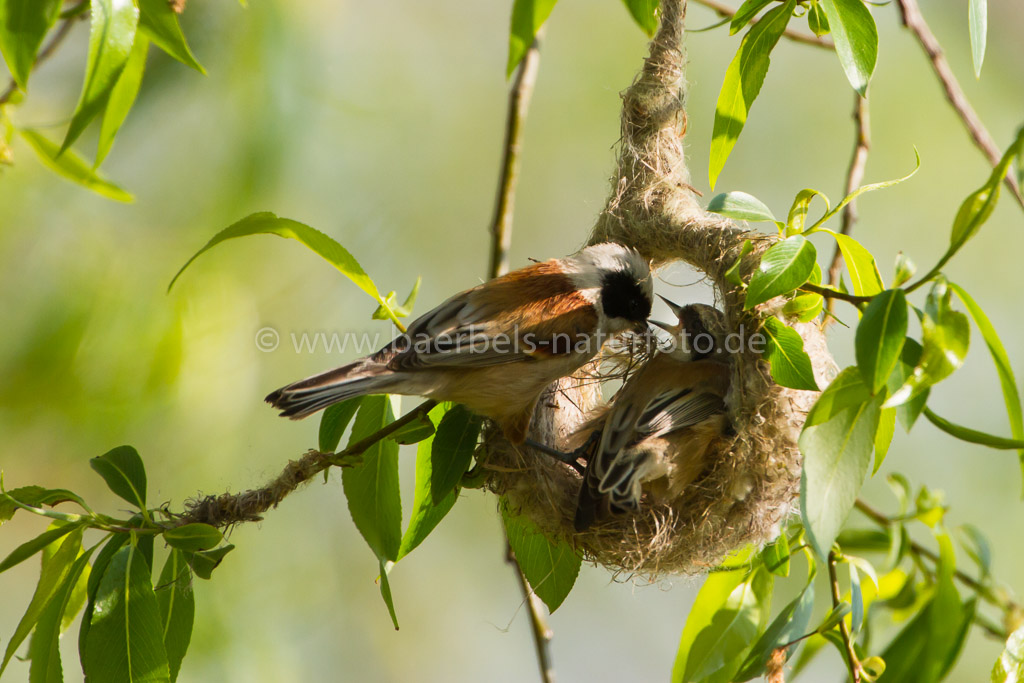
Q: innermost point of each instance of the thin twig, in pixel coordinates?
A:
(914, 20)
(796, 36)
(518, 105)
(854, 178)
(501, 241)
(844, 631)
(830, 293)
(58, 37)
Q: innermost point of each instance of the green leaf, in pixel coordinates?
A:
(204, 562)
(784, 350)
(125, 640)
(775, 556)
(385, 591)
(741, 206)
(23, 25)
(946, 338)
(733, 273)
(371, 487)
(784, 267)
(403, 311)
(644, 13)
(73, 167)
(945, 617)
(55, 568)
(816, 20)
(846, 390)
(879, 337)
(195, 536)
(426, 514)
(110, 42)
(453, 450)
(722, 646)
(837, 454)
(334, 421)
(863, 189)
(856, 38)
(124, 473)
(790, 624)
(414, 432)
(911, 410)
(33, 496)
(905, 269)
(977, 547)
(527, 18)
(1011, 395)
(883, 437)
(266, 223)
(798, 211)
(743, 80)
(864, 275)
(93, 584)
(551, 568)
(804, 307)
(977, 21)
(972, 435)
(177, 605)
(44, 649)
(123, 94)
(747, 11)
(1009, 668)
(160, 23)
(30, 548)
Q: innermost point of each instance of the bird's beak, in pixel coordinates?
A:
(677, 310)
(671, 329)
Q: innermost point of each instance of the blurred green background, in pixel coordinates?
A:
(381, 124)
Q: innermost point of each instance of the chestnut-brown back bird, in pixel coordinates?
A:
(497, 346)
(656, 435)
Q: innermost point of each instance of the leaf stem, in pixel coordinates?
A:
(844, 631)
(830, 293)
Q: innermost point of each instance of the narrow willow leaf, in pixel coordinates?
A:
(55, 568)
(414, 432)
(266, 223)
(816, 20)
(972, 435)
(30, 548)
(846, 390)
(1009, 668)
(908, 412)
(453, 449)
(122, 96)
(426, 514)
(371, 487)
(747, 11)
(733, 273)
(837, 455)
(977, 21)
(160, 23)
(334, 421)
(864, 275)
(203, 562)
(23, 25)
(863, 189)
(784, 351)
(856, 38)
(177, 605)
(644, 14)
(551, 568)
(114, 23)
(946, 617)
(883, 437)
(743, 80)
(1007, 380)
(124, 473)
(775, 556)
(880, 336)
(98, 568)
(402, 311)
(385, 591)
(527, 18)
(34, 496)
(790, 624)
(784, 267)
(73, 167)
(195, 536)
(44, 649)
(721, 647)
(125, 640)
(741, 206)
(798, 211)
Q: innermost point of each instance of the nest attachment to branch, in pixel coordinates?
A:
(752, 481)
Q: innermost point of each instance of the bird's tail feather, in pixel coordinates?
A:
(305, 397)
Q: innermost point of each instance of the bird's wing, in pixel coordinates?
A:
(671, 411)
(499, 322)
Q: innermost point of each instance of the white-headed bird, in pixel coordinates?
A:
(497, 346)
(656, 435)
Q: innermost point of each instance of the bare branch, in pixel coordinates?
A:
(844, 631)
(914, 20)
(538, 622)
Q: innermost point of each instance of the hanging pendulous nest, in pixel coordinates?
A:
(752, 482)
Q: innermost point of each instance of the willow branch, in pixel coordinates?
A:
(844, 630)
(830, 294)
(248, 506)
(58, 37)
(914, 20)
(796, 36)
(539, 626)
